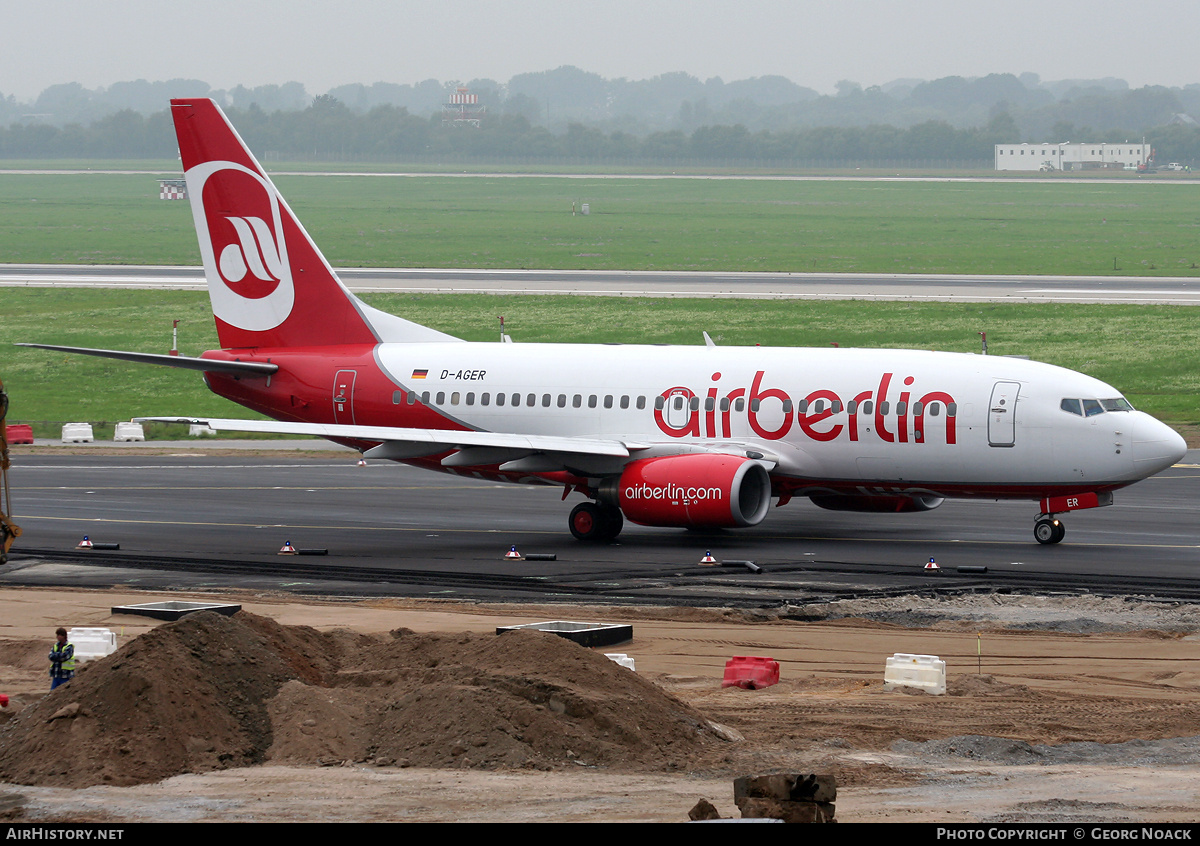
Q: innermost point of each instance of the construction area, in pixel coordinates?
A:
(296, 710)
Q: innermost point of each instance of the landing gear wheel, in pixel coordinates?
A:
(586, 521)
(614, 521)
(594, 523)
(1049, 531)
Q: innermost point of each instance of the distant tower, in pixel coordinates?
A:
(463, 109)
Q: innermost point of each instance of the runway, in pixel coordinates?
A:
(860, 286)
(203, 521)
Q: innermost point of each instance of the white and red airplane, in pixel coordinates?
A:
(661, 435)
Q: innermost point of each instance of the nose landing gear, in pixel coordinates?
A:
(1047, 529)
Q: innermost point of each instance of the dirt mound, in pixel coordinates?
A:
(185, 697)
(527, 699)
(210, 692)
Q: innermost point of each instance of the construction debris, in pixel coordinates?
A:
(793, 798)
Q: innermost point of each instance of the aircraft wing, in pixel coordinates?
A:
(512, 451)
(403, 442)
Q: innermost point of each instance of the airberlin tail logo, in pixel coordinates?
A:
(240, 225)
(255, 253)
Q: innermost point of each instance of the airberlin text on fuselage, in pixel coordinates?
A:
(906, 423)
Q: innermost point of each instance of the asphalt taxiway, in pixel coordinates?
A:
(196, 519)
(860, 286)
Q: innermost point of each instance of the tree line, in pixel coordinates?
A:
(329, 130)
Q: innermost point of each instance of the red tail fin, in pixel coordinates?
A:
(269, 284)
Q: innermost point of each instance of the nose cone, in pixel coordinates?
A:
(1156, 446)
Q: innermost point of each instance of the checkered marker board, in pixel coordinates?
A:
(172, 190)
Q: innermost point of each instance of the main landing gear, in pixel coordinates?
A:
(595, 523)
(1048, 529)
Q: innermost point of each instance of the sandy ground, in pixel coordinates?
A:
(1044, 698)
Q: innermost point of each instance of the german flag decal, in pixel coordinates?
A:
(420, 374)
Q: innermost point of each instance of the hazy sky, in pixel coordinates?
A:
(324, 44)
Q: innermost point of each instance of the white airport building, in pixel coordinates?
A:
(1043, 157)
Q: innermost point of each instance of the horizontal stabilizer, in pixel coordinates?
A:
(186, 362)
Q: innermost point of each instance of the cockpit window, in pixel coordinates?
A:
(1091, 407)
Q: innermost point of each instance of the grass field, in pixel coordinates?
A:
(1117, 227)
(1150, 352)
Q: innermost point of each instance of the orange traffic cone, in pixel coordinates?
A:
(287, 549)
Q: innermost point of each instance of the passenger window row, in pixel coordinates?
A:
(516, 399)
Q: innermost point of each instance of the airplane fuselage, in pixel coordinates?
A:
(844, 419)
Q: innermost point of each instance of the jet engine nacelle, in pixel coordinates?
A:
(877, 503)
(695, 490)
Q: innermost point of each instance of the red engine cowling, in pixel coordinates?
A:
(695, 490)
(877, 503)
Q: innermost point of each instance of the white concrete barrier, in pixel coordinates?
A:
(129, 432)
(77, 433)
(91, 644)
(927, 672)
(621, 658)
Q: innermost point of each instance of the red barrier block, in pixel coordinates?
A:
(750, 673)
(19, 433)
